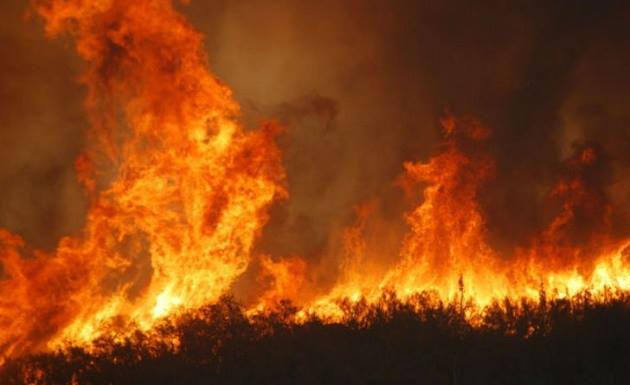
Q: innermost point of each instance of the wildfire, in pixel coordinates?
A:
(179, 191)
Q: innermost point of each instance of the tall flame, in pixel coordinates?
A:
(178, 190)
(447, 242)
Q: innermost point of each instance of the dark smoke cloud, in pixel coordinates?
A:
(41, 131)
(360, 86)
(596, 109)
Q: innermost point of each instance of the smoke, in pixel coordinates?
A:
(41, 131)
(360, 86)
(530, 70)
(595, 110)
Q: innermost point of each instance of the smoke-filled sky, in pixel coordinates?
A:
(360, 86)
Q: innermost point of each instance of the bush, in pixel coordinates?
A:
(421, 340)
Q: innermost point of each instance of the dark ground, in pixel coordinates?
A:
(424, 341)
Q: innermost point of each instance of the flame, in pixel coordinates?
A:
(179, 191)
(446, 250)
(446, 242)
(284, 279)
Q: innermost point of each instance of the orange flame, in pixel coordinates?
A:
(178, 190)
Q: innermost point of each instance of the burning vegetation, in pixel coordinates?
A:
(179, 192)
(422, 340)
